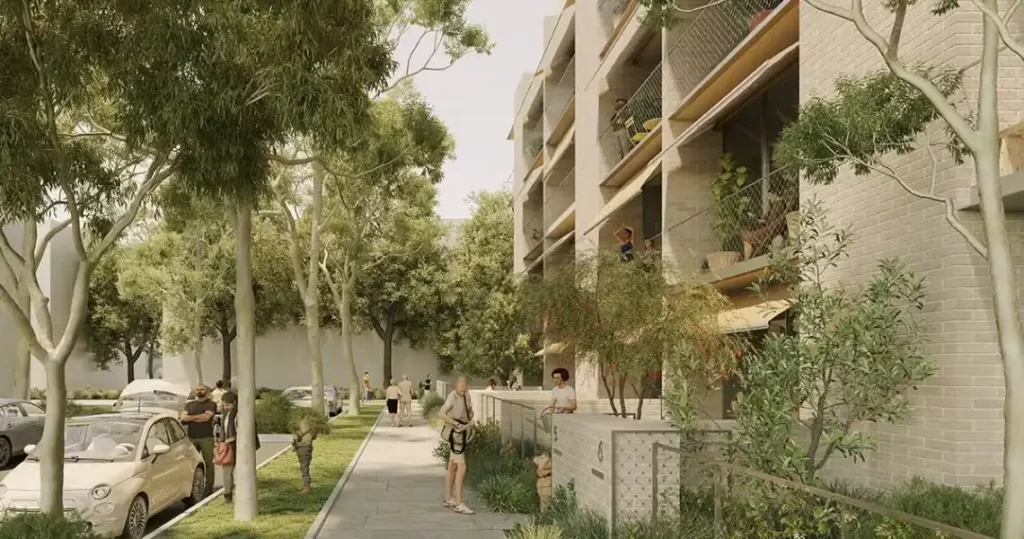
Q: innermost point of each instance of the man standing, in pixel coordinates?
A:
(367, 392)
(405, 401)
(457, 413)
(198, 419)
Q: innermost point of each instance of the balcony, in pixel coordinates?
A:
(533, 236)
(725, 43)
(561, 112)
(633, 136)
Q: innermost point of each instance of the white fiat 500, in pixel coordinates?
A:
(118, 470)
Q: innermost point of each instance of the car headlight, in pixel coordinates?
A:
(100, 492)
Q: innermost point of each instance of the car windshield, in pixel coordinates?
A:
(156, 398)
(298, 393)
(106, 438)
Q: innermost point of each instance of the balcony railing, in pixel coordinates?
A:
(712, 35)
(633, 121)
(611, 12)
(532, 230)
(564, 90)
(745, 224)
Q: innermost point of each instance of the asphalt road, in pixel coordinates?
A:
(267, 450)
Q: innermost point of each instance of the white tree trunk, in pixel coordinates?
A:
(345, 310)
(312, 298)
(245, 322)
(51, 446)
(197, 347)
(22, 351)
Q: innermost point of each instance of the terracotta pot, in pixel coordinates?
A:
(722, 259)
(759, 17)
(793, 224)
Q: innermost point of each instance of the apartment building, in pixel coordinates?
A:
(629, 125)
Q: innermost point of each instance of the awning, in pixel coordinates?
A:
(531, 180)
(552, 348)
(561, 241)
(753, 318)
(627, 192)
(739, 95)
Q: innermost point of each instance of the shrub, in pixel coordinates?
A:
(379, 394)
(977, 509)
(319, 422)
(37, 393)
(262, 392)
(575, 522)
(536, 531)
(274, 414)
(432, 402)
(509, 493)
(20, 526)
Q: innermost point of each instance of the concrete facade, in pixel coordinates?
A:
(709, 73)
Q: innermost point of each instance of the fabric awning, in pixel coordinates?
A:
(626, 193)
(552, 348)
(561, 241)
(751, 85)
(753, 318)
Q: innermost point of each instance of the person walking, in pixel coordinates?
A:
(228, 437)
(367, 392)
(198, 419)
(302, 444)
(405, 401)
(426, 387)
(392, 394)
(457, 414)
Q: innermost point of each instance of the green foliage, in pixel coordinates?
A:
(536, 531)
(978, 509)
(855, 358)
(867, 118)
(574, 521)
(445, 19)
(510, 493)
(634, 319)
(22, 525)
(480, 315)
(317, 421)
(274, 414)
(732, 203)
(432, 402)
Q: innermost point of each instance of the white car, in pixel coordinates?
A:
(152, 395)
(302, 397)
(119, 469)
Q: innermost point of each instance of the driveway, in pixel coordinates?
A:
(267, 450)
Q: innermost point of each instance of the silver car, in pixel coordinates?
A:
(302, 397)
(21, 424)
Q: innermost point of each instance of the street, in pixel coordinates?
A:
(267, 450)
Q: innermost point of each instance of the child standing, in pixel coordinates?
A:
(302, 443)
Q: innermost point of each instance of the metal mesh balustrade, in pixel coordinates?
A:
(632, 121)
(712, 35)
(527, 427)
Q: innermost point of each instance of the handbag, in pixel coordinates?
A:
(223, 454)
(458, 437)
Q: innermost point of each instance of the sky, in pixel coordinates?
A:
(475, 98)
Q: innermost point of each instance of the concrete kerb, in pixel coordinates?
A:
(321, 517)
(185, 514)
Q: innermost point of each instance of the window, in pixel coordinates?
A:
(177, 433)
(10, 410)
(32, 410)
(157, 435)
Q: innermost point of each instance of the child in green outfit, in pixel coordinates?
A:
(302, 443)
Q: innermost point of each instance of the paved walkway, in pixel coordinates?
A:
(395, 492)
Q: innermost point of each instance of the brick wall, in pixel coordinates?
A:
(955, 432)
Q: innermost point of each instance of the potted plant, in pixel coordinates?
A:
(731, 206)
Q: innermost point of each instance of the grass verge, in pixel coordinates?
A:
(283, 513)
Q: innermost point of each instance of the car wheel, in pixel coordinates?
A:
(5, 452)
(198, 488)
(138, 517)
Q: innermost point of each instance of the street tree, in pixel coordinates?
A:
(119, 329)
(406, 144)
(482, 331)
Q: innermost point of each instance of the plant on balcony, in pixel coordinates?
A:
(856, 357)
(534, 147)
(633, 324)
(732, 206)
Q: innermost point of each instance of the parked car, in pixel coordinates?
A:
(302, 397)
(153, 395)
(21, 425)
(119, 469)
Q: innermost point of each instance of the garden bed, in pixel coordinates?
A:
(283, 513)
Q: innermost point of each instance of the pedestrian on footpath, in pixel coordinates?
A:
(457, 414)
(405, 401)
(227, 446)
(392, 393)
(302, 444)
(367, 392)
(198, 419)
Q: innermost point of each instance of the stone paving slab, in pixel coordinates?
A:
(395, 491)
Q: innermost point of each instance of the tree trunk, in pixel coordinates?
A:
(51, 446)
(389, 340)
(316, 357)
(150, 352)
(345, 310)
(312, 299)
(197, 346)
(130, 362)
(609, 387)
(225, 355)
(245, 326)
(22, 353)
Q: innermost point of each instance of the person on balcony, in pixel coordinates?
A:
(625, 236)
(620, 132)
(563, 396)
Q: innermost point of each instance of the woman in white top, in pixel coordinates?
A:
(563, 396)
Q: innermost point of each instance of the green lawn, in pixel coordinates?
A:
(283, 512)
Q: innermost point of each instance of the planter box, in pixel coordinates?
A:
(722, 259)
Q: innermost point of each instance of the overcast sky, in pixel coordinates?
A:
(475, 98)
